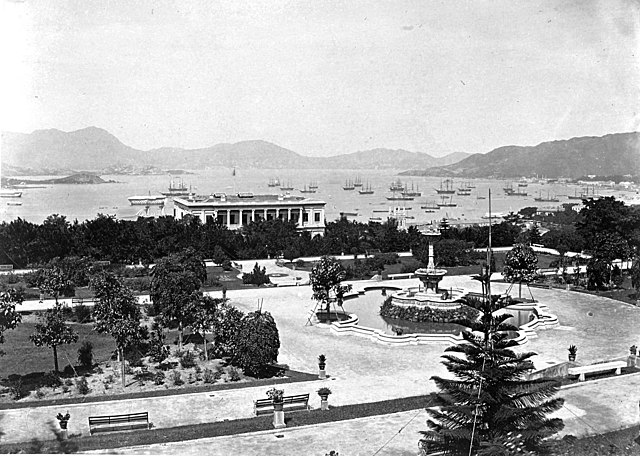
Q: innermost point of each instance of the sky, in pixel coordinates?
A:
(323, 77)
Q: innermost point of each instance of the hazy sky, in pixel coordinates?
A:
(323, 77)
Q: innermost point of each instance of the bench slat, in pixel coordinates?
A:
(118, 422)
(299, 401)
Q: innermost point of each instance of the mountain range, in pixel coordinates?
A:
(609, 155)
(97, 150)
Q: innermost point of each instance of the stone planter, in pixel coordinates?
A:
(278, 415)
(572, 357)
(631, 360)
(321, 372)
(324, 402)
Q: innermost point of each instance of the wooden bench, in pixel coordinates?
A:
(297, 402)
(119, 422)
(597, 368)
(76, 301)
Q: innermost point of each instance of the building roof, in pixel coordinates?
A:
(248, 199)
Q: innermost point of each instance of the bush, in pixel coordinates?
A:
(158, 378)
(16, 389)
(188, 360)
(256, 277)
(299, 263)
(176, 378)
(52, 379)
(209, 376)
(109, 379)
(40, 394)
(234, 374)
(85, 354)
(68, 382)
(82, 386)
(65, 389)
(226, 265)
(12, 279)
(258, 343)
(157, 351)
(82, 313)
(212, 281)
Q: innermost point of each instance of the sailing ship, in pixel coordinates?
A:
(307, 189)
(274, 182)
(448, 203)
(313, 185)
(358, 182)
(464, 191)
(412, 192)
(548, 199)
(402, 197)
(430, 206)
(396, 186)
(366, 190)
(447, 189)
(286, 187)
(348, 185)
(176, 188)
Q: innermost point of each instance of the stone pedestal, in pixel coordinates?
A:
(631, 361)
(322, 374)
(64, 434)
(278, 416)
(324, 404)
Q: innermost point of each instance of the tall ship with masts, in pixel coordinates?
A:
(412, 192)
(396, 186)
(307, 189)
(348, 185)
(357, 182)
(176, 188)
(366, 190)
(274, 182)
(447, 188)
(548, 199)
(286, 187)
(446, 201)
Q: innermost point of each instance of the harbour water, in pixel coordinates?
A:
(84, 202)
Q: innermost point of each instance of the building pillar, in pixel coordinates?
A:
(253, 215)
(229, 218)
(288, 214)
(240, 216)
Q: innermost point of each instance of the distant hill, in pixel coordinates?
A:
(607, 155)
(95, 149)
(82, 178)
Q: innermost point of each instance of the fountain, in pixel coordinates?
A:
(430, 294)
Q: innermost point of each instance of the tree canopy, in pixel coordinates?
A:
(52, 331)
(326, 282)
(257, 344)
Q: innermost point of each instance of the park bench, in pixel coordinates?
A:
(597, 368)
(119, 422)
(297, 402)
(76, 301)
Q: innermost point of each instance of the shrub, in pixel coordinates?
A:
(158, 378)
(12, 279)
(190, 379)
(157, 351)
(209, 376)
(256, 277)
(16, 389)
(109, 379)
(68, 382)
(52, 379)
(40, 394)
(65, 389)
(299, 263)
(176, 378)
(188, 360)
(82, 313)
(85, 354)
(234, 374)
(82, 386)
(198, 369)
(258, 343)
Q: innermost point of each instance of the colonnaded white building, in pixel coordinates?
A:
(240, 209)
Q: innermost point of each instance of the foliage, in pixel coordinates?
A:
(607, 216)
(489, 400)
(425, 313)
(219, 255)
(208, 376)
(226, 329)
(256, 277)
(158, 378)
(597, 274)
(573, 349)
(83, 386)
(275, 394)
(176, 378)
(52, 331)
(257, 343)
(188, 360)
(17, 389)
(635, 274)
(324, 391)
(157, 350)
(520, 265)
(52, 379)
(85, 354)
(9, 318)
(82, 313)
(447, 252)
(234, 374)
(204, 318)
(54, 281)
(326, 277)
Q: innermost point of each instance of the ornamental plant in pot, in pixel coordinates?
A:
(572, 352)
(277, 396)
(631, 360)
(63, 420)
(324, 397)
(321, 365)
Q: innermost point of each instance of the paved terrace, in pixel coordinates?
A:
(363, 371)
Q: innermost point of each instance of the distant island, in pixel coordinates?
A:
(81, 178)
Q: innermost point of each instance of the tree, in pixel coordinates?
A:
(219, 256)
(226, 327)
(520, 265)
(175, 289)
(204, 317)
(326, 277)
(256, 277)
(9, 318)
(117, 313)
(608, 246)
(53, 331)
(257, 344)
(635, 276)
(291, 253)
(489, 401)
(607, 215)
(54, 282)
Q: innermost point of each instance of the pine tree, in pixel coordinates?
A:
(489, 408)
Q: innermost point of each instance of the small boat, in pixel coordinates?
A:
(548, 199)
(8, 193)
(447, 189)
(375, 219)
(14, 203)
(430, 206)
(348, 185)
(366, 190)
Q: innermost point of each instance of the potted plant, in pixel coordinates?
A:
(324, 397)
(277, 396)
(631, 360)
(63, 420)
(322, 360)
(572, 352)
